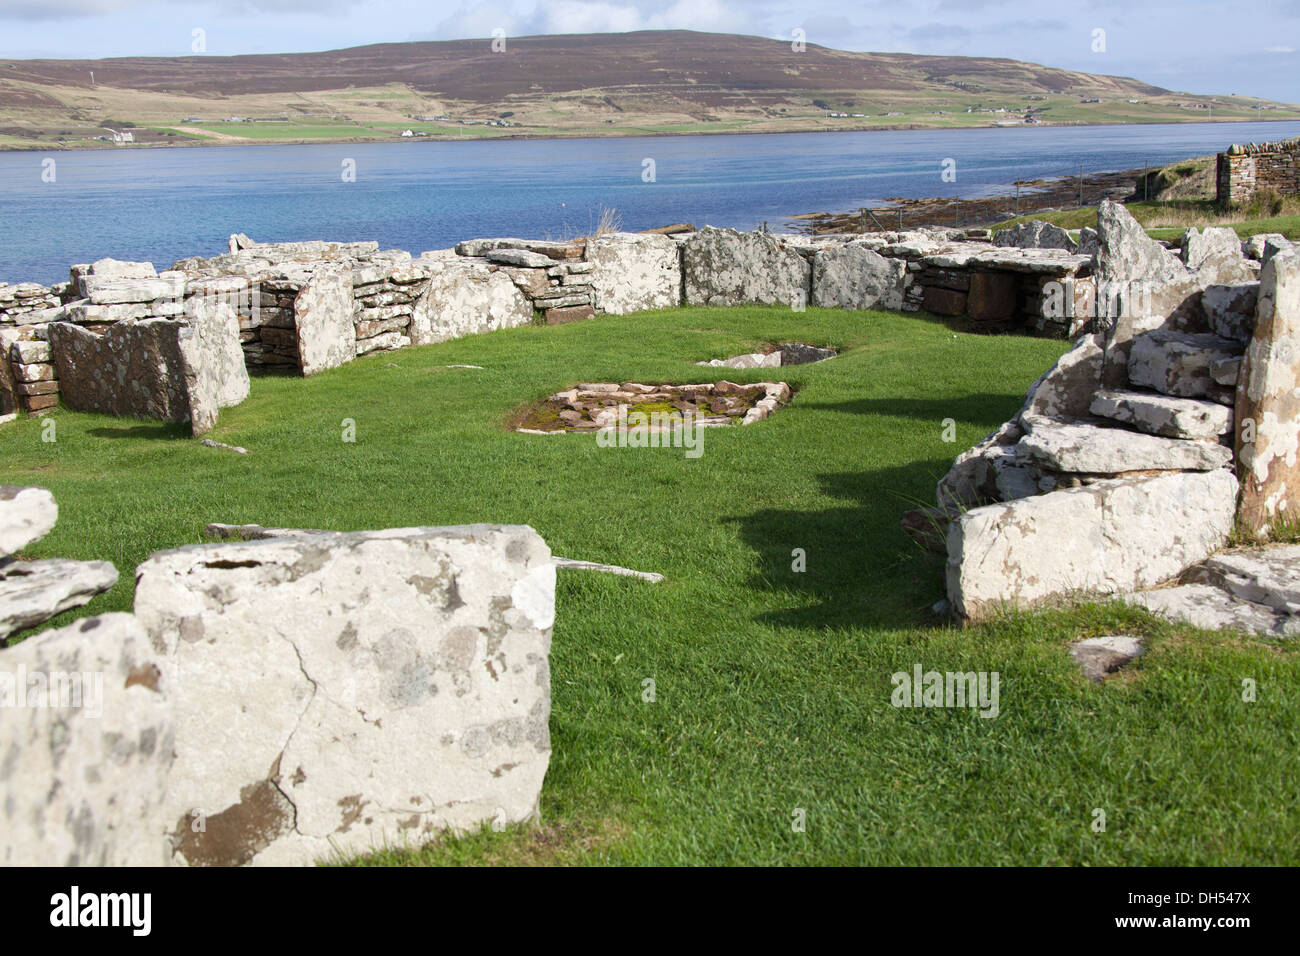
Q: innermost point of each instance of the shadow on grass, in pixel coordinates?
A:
(986, 410)
(861, 570)
(165, 430)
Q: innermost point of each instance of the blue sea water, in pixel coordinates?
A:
(164, 204)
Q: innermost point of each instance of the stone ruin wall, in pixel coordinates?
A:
(1167, 427)
(1126, 468)
(396, 300)
(1243, 171)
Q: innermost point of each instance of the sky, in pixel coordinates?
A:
(1187, 45)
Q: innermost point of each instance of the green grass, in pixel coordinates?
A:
(1200, 213)
(772, 686)
(313, 130)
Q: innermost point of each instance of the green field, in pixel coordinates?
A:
(772, 686)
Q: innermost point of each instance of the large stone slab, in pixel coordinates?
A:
(1094, 450)
(1114, 536)
(726, 267)
(1230, 310)
(109, 290)
(172, 370)
(32, 592)
(1126, 253)
(1178, 363)
(465, 298)
(1140, 285)
(1268, 401)
(1212, 608)
(340, 691)
(1065, 390)
(327, 336)
(632, 272)
(87, 733)
(213, 361)
(1215, 244)
(1164, 415)
(26, 515)
(134, 370)
(120, 269)
(552, 249)
(852, 276)
(519, 257)
(1268, 576)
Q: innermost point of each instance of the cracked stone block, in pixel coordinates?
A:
(853, 276)
(26, 515)
(1113, 536)
(343, 692)
(1230, 310)
(726, 267)
(631, 273)
(87, 743)
(466, 298)
(327, 336)
(989, 472)
(1099, 657)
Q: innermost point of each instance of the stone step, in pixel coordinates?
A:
(1213, 608)
(32, 592)
(1093, 450)
(1266, 576)
(1113, 537)
(1178, 363)
(1163, 415)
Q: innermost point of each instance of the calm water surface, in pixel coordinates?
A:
(163, 204)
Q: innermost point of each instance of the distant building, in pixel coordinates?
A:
(408, 132)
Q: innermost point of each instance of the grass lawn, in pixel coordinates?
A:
(772, 687)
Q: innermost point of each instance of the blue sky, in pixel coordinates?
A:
(1190, 45)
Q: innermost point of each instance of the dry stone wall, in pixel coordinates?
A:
(1243, 171)
(305, 307)
(1121, 470)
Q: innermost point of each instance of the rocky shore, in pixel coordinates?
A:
(1036, 196)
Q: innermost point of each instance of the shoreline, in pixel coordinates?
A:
(1036, 196)
(587, 134)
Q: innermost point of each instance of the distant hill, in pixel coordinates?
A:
(591, 84)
